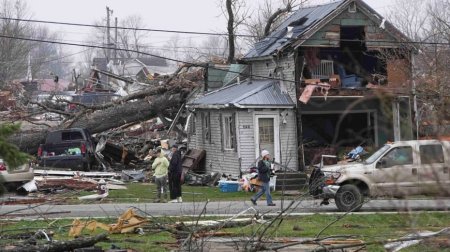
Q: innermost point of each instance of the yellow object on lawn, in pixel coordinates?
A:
(126, 223)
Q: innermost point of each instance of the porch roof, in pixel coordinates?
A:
(249, 94)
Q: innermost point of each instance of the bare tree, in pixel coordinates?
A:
(13, 53)
(235, 12)
(410, 17)
(214, 48)
(131, 39)
(267, 17)
(46, 58)
(427, 24)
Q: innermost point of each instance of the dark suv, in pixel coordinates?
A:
(69, 148)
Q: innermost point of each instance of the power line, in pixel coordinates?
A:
(216, 34)
(120, 27)
(139, 52)
(46, 58)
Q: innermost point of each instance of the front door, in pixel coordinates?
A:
(267, 135)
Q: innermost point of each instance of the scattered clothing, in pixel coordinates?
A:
(306, 94)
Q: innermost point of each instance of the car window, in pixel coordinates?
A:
(377, 154)
(71, 135)
(431, 154)
(398, 156)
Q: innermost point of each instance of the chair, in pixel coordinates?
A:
(348, 80)
(324, 70)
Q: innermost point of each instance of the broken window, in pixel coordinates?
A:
(206, 121)
(229, 131)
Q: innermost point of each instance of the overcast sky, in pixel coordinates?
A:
(186, 15)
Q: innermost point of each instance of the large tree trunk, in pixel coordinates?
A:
(274, 16)
(102, 120)
(230, 29)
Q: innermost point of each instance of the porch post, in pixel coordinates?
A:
(299, 65)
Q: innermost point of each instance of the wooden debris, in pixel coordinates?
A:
(57, 246)
(74, 184)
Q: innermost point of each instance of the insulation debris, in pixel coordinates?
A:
(126, 223)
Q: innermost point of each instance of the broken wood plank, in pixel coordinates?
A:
(57, 246)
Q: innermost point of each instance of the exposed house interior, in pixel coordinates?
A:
(352, 62)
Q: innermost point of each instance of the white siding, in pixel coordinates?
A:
(192, 133)
(224, 161)
(246, 140)
(288, 140)
(227, 161)
(265, 68)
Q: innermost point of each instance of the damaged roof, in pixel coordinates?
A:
(304, 22)
(249, 94)
(300, 21)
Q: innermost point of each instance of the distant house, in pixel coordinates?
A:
(338, 58)
(49, 85)
(135, 69)
(45, 85)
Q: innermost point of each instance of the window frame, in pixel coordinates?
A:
(393, 164)
(206, 127)
(423, 153)
(228, 131)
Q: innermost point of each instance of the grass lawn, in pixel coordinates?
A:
(146, 192)
(364, 227)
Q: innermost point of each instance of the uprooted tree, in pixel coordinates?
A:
(159, 99)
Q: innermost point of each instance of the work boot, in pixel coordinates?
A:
(179, 200)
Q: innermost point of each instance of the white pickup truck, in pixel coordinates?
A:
(398, 169)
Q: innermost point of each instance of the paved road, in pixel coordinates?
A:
(213, 208)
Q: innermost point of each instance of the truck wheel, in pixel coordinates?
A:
(348, 198)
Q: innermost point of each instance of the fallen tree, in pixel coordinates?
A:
(158, 100)
(58, 245)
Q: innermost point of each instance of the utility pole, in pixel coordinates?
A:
(115, 42)
(108, 38)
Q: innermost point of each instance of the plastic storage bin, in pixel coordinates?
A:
(273, 183)
(228, 186)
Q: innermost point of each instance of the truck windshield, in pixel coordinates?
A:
(377, 154)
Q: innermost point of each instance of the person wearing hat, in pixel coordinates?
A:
(160, 166)
(264, 175)
(175, 170)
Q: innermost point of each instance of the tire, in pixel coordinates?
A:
(348, 198)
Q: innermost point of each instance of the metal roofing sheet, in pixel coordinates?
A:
(301, 20)
(255, 93)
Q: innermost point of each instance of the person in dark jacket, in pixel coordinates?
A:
(264, 176)
(175, 170)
